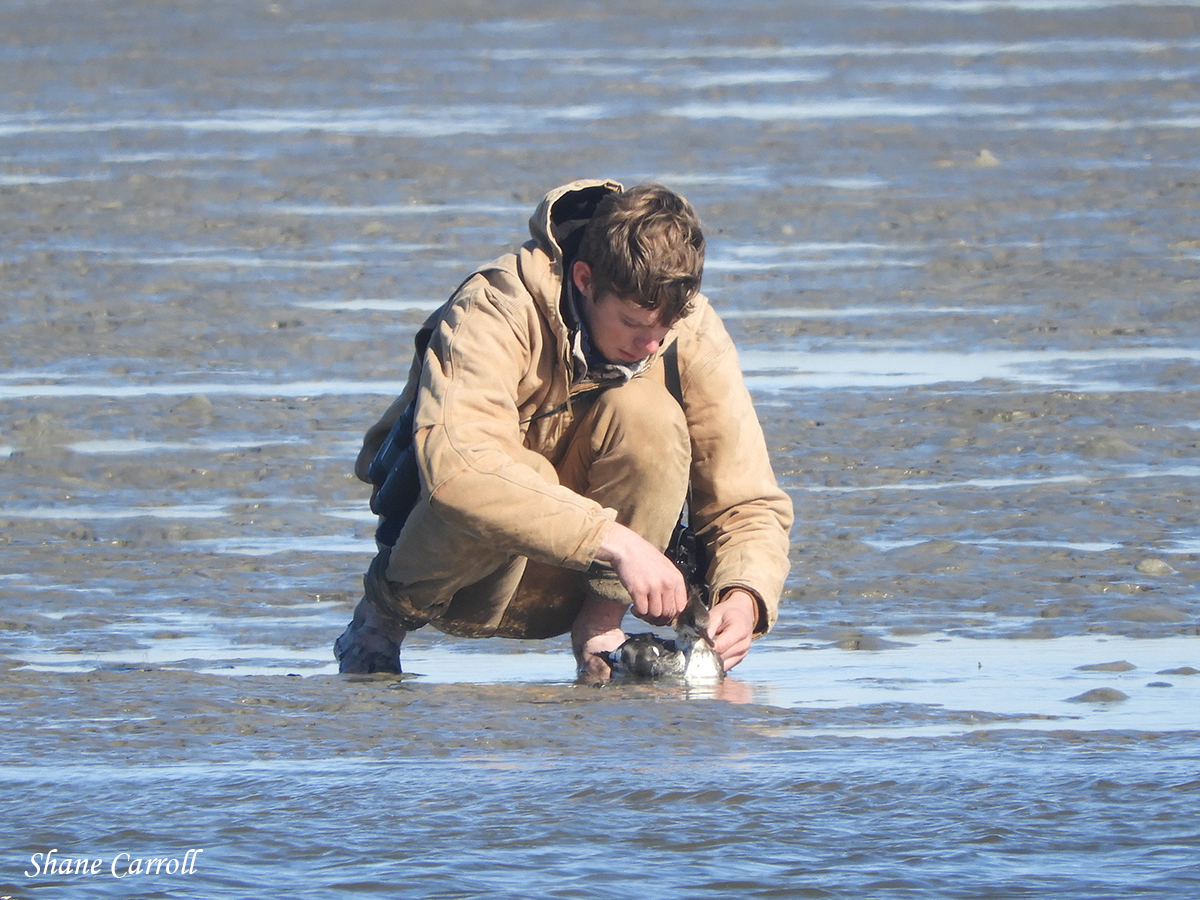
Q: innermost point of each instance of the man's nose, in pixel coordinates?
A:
(649, 343)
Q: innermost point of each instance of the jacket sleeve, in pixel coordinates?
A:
(478, 474)
(739, 509)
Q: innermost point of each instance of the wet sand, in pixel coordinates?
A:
(957, 244)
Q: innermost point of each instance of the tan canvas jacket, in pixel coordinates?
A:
(494, 385)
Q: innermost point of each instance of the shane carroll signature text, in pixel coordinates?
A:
(48, 862)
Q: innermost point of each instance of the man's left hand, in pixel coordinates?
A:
(731, 627)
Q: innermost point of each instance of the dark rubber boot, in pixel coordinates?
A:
(361, 650)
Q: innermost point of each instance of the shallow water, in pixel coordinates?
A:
(957, 243)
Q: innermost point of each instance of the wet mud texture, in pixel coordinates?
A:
(957, 245)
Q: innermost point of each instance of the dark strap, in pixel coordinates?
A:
(686, 549)
(671, 364)
(670, 358)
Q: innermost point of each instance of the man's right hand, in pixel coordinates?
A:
(655, 584)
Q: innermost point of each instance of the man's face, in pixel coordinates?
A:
(620, 329)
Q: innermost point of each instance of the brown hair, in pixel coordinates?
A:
(645, 245)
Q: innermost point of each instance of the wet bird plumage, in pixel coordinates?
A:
(689, 656)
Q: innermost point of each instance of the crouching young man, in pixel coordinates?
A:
(553, 457)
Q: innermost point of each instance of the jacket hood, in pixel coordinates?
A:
(556, 227)
(557, 222)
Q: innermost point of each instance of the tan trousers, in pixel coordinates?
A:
(630, 452)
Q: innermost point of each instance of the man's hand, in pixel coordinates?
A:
(731, 626)
(656, 586)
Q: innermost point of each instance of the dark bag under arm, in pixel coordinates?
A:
(393, 469)
(397, 480)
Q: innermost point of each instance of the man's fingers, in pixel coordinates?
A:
(731, 652)
(656, 609)
(653, 607)
(731, 627)
(661, 601)
(652, 580)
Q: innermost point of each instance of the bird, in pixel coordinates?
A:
(689, 657)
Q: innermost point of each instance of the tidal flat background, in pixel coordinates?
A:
(957, 243)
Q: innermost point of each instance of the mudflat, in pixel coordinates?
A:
(957, 246)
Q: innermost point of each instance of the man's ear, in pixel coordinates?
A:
(581, 275)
